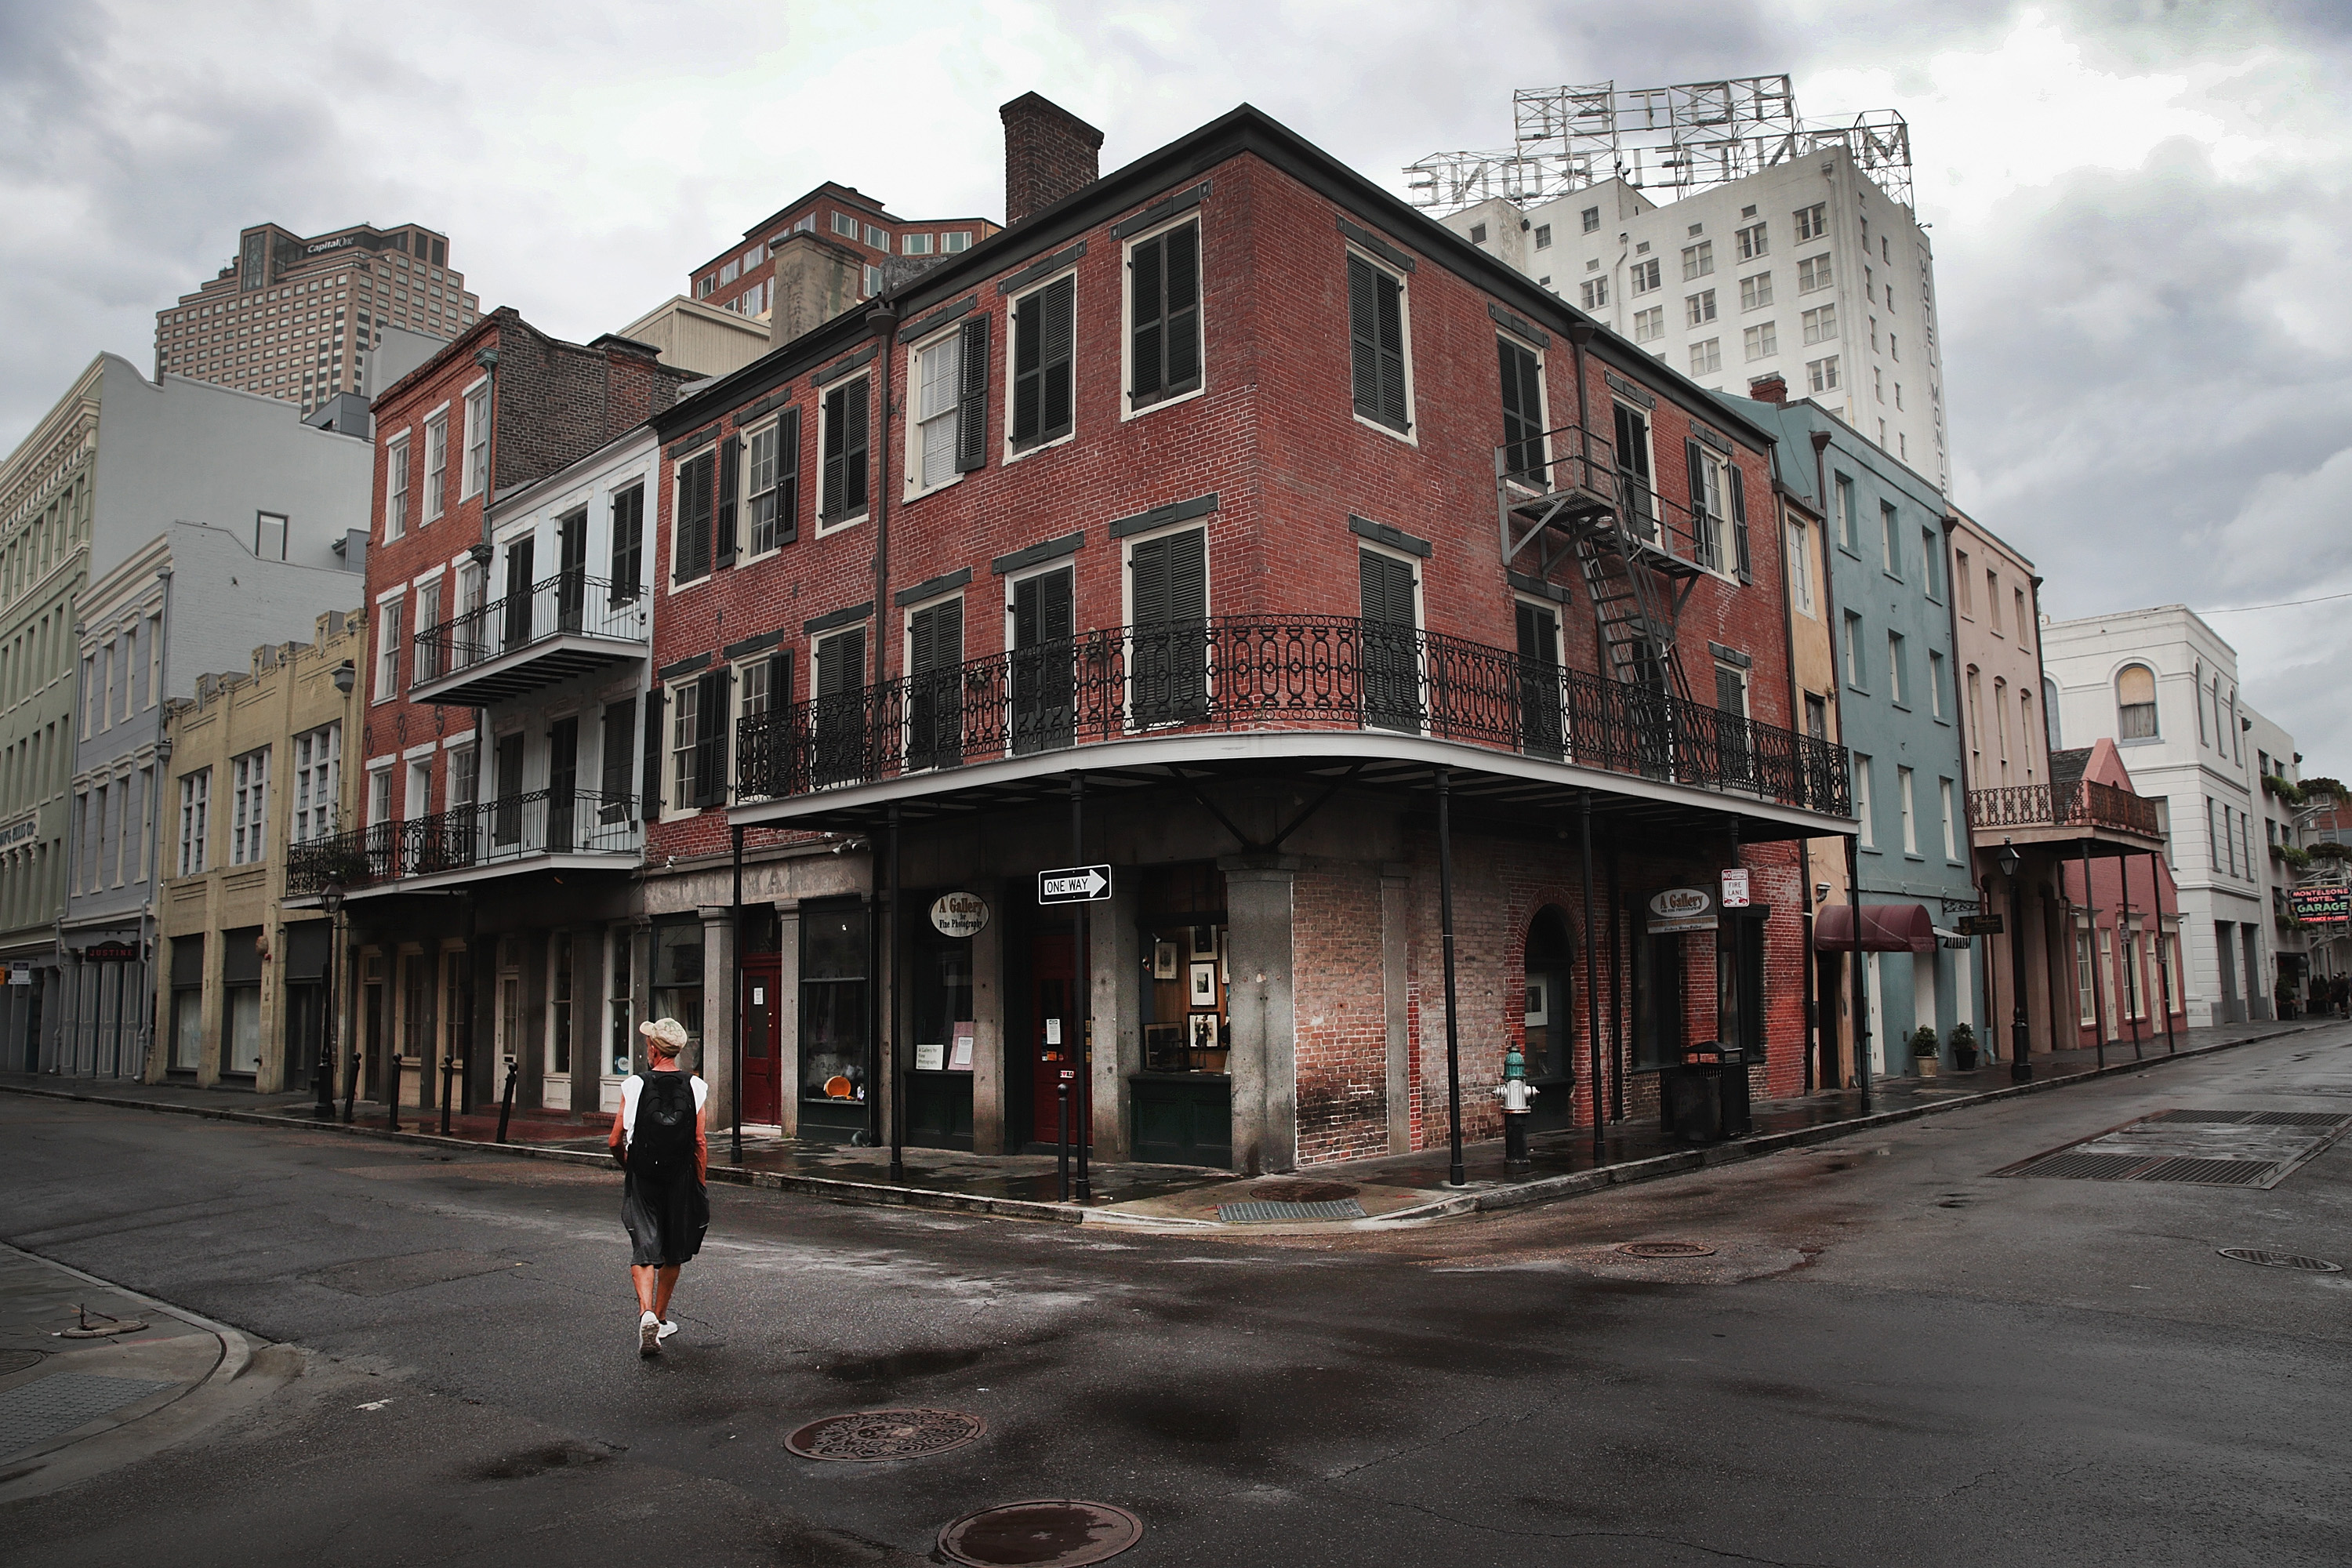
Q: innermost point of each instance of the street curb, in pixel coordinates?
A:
(237, 1351)
(881, 1195)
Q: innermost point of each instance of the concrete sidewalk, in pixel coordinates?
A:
(92, 1375)
(1389, 1190)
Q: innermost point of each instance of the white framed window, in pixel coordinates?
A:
(1821, 375)
(1594, 292)
(379, 801)
(1650, 325)
(1543, 236)
(844, 225)
(1591, 219)
(873, 280)
(1763, 341)
(248, 835)
(955, 240)
(1698, 309)
(1910, 822)
(1706, 358)
(477, 440)
(388, 639)
(437, 464)
(1645, 276)
(914, 245)
(772, 483)
(1944, 800)
(1812, 222)
(1753, 242)
(950, 403)
(684, 743)
(1861, 808)
(729, 271)
(1897, 691)
(1379, 341)
(1698, 260)
(461, 776)
(1039, 407)
(1813, 273)
(195, 808)
(1161, 344)
(842, 443)
(318, 782)
(1934, 684)
(876, 238)
(1820, 325)
(1801, 567)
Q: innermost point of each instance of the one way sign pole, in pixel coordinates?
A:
(1073, 885)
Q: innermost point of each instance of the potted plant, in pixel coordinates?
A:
(1964, 1048)
(1923, 1050)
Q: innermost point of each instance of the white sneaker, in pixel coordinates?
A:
(648, 1334)
(667, 1329)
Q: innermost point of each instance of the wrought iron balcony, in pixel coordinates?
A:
(1573, 478)
(490, 836)
(1316, 672)
(2083, 805)
(570, 625)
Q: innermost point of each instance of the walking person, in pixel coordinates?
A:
(660, 1141)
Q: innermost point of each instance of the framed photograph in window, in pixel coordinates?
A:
(1205, 983)
(1204, 942)
(1163, 961)
(1204, 1031)
(1164, 1047)
(1225, 958)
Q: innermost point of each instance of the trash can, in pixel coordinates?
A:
(1703, 1100)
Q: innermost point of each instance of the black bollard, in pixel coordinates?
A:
(448, 1076)
(392, 1094)
(1062, 1132)
(506, 1100)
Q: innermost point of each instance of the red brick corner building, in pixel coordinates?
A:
(1224, 521)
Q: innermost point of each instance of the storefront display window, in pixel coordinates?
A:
(1188, 1030)
(834, 962)
(620, 1037)
(241, 1016)
(677, 976)
(187, 1002)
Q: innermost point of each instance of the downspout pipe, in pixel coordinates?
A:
(150, 930)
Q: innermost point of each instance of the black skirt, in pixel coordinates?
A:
(667, 1219)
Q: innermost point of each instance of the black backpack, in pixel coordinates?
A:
(661, 1142)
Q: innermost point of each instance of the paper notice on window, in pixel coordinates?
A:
(1053, 1031)
(959, 1054)
(930, 1058)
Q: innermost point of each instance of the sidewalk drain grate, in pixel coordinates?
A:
(2210, 1172)
(1047, 1532)
(1260, 1211)
(52, 1407)
(2280, 1259)
(2315, 1119)
(1664, 1250)
(2092, 1167)
(870, 1436)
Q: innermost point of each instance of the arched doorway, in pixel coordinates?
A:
(1551, 1039)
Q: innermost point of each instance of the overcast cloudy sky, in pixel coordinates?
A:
(2137, 206)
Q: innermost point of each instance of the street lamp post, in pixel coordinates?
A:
(2020, 1048)
(331, 899)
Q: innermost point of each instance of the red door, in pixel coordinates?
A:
(1055, 1031)
(763, 1081)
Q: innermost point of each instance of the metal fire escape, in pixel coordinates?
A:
(1579, 505)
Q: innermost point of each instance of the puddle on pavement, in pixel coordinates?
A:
(901, 1365)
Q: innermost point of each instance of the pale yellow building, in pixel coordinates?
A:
(254, 764)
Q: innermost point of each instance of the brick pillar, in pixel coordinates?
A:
(1049, 154)
(1396, 984)
(1263, 1060)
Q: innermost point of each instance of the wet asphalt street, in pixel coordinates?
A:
(1891, 1357)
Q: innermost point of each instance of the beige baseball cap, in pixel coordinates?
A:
(667, 1034)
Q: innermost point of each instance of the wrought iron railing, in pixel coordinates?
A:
(487, 833)
(1569, 459)
(568, 604)
(1313, 672)
(2083, 803)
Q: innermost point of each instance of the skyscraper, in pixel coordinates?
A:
(290, 316)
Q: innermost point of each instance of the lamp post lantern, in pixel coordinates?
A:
(331, 899)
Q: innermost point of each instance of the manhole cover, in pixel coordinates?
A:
(872, 1435)
(2282, 1259)
(1303, 1192)
(1047, 1532)
(17, 1361)
(1666, 1249)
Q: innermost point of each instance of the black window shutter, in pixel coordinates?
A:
(1708, 554)
(854, 398)
(780, 680)
(1056, 618)
(1060, 327)
(1730, 691)
(1393, 401)
(620, 729)
(710, 738)
(1522, 411)
(650, 795)
(1147, 270)
(1027, 378)
(1183, 308)
(788, 476)
(972, 397)
(692, 499)
(1363, 336)
(829, 502)
(1739, 527)
(628, 544)
(730, 470)
(1147, 566)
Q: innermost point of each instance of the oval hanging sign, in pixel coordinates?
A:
(960, 914)
(1682, 908)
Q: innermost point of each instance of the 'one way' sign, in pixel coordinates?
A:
(1073, 885)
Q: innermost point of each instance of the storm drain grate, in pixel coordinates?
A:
(2091, 1167)
(877, 1435)
(1048, 1532)
(1259, 1210)
(1664, 1250)
(2203, 1117)
(2280, 1259)
(2317, 1120)
(52, 1407)
(2210, 1172)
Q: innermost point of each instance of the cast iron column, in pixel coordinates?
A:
(1454, 1173)
(1861, 1002)
(2126, 955)
(1591, 972)
(2163, 970)
(1083, 989)
(897, 1075)
(2098, 993)
(2020, 1028)
(735, 947)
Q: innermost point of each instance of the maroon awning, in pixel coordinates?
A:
(1886, 927)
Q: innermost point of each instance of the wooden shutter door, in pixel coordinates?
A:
(1147, 311)
(972, 397)
(1739, 531)
(1391, 295)
(1363, 337)
(1043, 664)
(1634, 500)
(649, 793)
(1054, 413)
(1702, 541)
(1391, 672)
(713, 712)
(1183, 309)
(517, 630)
(562, 782)
(934, 692)
(1171, 596)
(841, 707)
(1539, 684)
(620, 729)
(730, 479)
(788, 476)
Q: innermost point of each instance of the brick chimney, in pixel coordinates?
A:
(1049, 154)
(1770, 387)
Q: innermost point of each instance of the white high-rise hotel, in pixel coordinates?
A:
(1710, 227)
